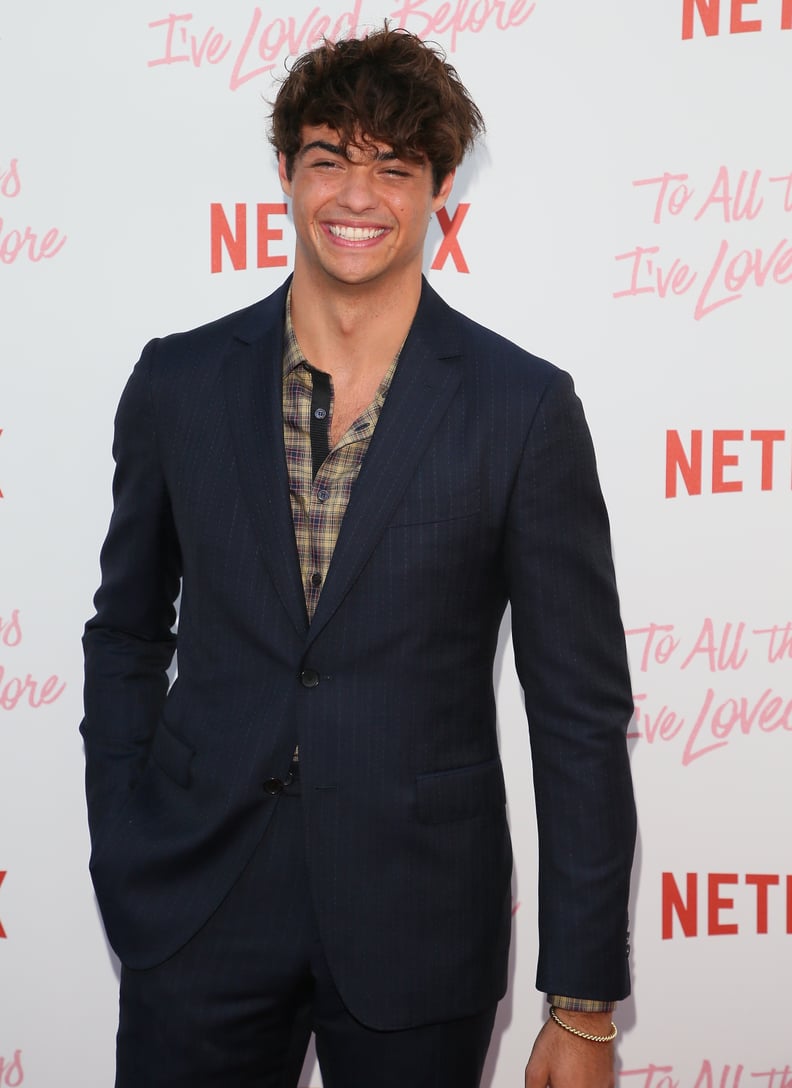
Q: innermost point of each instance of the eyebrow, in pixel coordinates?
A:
(334, 149)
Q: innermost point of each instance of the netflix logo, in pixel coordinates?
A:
(725, 904)
(711, 17)
(232, 240)
(736, 461)
(252, 236)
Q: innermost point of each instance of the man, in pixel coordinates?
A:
(346, 482)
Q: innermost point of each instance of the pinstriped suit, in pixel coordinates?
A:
(479, 487)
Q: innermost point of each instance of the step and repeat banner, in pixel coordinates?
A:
(629, 216)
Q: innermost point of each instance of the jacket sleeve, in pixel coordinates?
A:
(129, 643)
(571, 659)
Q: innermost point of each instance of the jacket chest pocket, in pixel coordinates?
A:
(428, 506)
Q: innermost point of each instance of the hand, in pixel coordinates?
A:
(562, 1060)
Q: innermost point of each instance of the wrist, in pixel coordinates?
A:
(596, 1027)
(589, 1021)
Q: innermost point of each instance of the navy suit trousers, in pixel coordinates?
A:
(235, 1007)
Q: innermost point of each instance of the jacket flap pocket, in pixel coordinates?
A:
(460, 793)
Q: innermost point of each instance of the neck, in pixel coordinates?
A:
(352, 331)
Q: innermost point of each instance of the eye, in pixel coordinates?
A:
(324, 164)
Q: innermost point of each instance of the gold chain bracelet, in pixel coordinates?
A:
(614, 1031)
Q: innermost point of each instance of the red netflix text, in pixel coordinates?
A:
(733, 16)
(725, 904)
(233, 238)
(736, 460)
(258, 228)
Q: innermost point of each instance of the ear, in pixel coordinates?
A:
(443, 193)
(284, 178)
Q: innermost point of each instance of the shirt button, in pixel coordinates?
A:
(309, 678)
(321, 413)
(273, 786)
(316, 579)
(322, 495)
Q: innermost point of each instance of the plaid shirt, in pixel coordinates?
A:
(318, 503)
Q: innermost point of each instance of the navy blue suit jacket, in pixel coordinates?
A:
(479, 487)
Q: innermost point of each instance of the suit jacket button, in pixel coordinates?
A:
(309, 678)
(273, 786)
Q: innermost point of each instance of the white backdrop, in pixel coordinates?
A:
(628, 216)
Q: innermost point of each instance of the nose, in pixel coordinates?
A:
(357, 191)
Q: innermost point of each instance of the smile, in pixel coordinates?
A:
(356, 234)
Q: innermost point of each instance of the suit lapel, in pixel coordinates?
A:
(253, 377)
(426, 379)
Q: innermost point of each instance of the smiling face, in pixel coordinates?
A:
(361, 216)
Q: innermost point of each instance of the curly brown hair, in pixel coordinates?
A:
(390, 88)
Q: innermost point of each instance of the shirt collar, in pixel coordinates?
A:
(292, 353)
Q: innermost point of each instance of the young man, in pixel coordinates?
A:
(347, 482)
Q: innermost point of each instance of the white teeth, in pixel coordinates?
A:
(356, 234)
